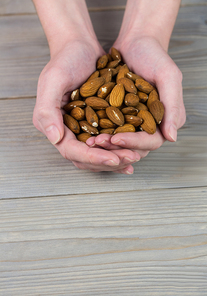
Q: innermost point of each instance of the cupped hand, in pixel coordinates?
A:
(66, 71)
(147, 58)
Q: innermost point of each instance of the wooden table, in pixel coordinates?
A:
(69, 232)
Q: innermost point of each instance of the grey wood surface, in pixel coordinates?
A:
(69, 232)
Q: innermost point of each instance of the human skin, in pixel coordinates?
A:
(74, 50)
(143, 42)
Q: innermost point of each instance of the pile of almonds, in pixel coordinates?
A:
(113, 100)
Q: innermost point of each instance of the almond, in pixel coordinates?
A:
(106, 123)
(68, 107)
(157, 110)
(109, 131)
(141, 106)
(91, 116)
(115, 54)
(134, 120)
(129, 111)
(133, 76)
(109, 57)
(131, 100)
(75, 95)
(83, 137)
(153, 96)
(126, 128)
(102, 62)
(78, 113)
(149, 124)
(143, 85)
(105, 89)
(115, 115)
(71, 123)
(96, 103)
(117, 95)
(107, 75)
(101, 114)
(89, 88)
(113, 64)
(128, 85)
(94, 75)
(123, 70)
(86, 127)
(142, 96)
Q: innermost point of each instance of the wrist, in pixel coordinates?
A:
(64, 22)
(149, 19)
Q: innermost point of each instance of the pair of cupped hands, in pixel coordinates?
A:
(70, 67)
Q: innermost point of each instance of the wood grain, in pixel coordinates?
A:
(151, 241)
(43, 171)
(25, 52)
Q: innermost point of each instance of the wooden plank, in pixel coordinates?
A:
(149, 242)
(25, 6)
(24, 52)
(31, 166)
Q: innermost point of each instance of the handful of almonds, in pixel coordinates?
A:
(113, 100)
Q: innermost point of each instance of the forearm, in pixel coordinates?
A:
(151, 18)
(63, 21)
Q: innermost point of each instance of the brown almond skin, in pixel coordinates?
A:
(133, 76)
(113, 64)
(71, 123)
(75, 95)
(143, 86)
(94, 75)
(86, 127)
(96, 103)
(107, 75)
(109, 57)
(109, 131)
(78, 113)
(123, 70)
(134, 120)
(74, 104)
(141, 106)
(105, 89)
(102, 62)
(143, 97)
(128, 85)
(153, 96)
(115, 115)
(101, 114)
(83, 137)
(117, 95)
(89, 88)
(157, 110)
(131, 100)
(115, 54)
(91, 116)
(126, 128)
(106, 123)
(149, 124)
(129, 111)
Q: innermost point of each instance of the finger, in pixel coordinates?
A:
(169, 86)
(104, 140)
(47, 116)
(74, 150)
(139, 140)
(129, 170)
(127, 156)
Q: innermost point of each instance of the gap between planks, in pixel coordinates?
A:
(107, 192)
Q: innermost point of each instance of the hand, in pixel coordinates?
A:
(67, 70)
(147, 58)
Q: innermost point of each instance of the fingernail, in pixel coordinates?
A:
(118, 142)
(129, 160)
(53, 134)
(173, 133)
(129, 171)
(110, 163)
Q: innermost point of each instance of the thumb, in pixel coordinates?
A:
(47, 115)
(171, 95)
